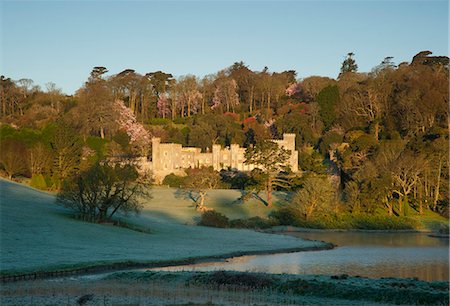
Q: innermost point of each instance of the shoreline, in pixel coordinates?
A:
(9, 277)
(293, 229)
(434, 235)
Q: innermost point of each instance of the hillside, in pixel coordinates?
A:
(36, 234)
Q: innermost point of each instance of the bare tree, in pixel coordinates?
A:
(198, 183)
(225, 94)
(98, 193)
(189, 97)
(40, 158)
(13, 157)
(405, 172)
(315, 197)
(67, 149)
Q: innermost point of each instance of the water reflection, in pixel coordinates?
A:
(380, 239)
(364, 254)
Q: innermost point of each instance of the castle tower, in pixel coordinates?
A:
(234, 149)
(216, 157)
(156, 158)
(289, 140)
(289, 144)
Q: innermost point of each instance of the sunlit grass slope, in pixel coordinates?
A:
(36, 234)
(224, 201)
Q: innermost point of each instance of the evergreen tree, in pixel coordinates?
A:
(271, 159)
(349, 64)
(327, 100)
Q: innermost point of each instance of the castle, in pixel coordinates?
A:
(170, 158)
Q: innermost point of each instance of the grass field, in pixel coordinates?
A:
(224, 288)
(37, 235)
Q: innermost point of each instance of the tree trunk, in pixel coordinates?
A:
(310, 211)
(11, 107)
(438, 183)
(132, 103)
(3, 103)
(142, 107)
(261, 104)
(201, 205)
(390, 210)
(101, 216)
(420, 200)
(269, 192)
(189, 107)
(377, 130)
(203, 104)
(174, 110)
(114, 211)
(405, 205)
(102, 133)
(251, 100)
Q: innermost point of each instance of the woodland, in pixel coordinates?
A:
(370, 143)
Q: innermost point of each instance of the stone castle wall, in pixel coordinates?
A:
(170, 158)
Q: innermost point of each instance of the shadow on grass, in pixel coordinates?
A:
(186, 194)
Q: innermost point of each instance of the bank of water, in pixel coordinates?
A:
(374, 255)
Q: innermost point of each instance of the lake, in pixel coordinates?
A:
(365, 254)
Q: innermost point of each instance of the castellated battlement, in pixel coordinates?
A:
(170, 158)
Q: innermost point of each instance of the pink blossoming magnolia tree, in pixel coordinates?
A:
(292, 89)
(139, 136)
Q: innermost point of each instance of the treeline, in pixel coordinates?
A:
(383, 133)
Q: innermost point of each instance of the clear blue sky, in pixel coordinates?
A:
(60, 41)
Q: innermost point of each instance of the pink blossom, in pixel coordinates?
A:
(292, 89)
(139, 136)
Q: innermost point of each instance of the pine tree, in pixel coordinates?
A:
(349, 64)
